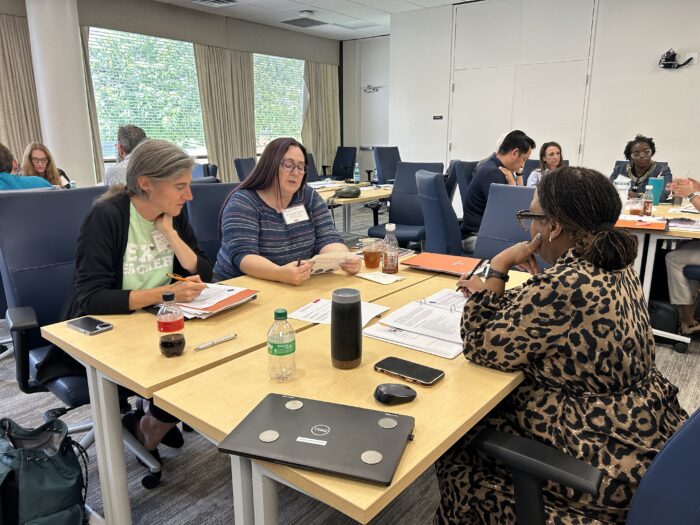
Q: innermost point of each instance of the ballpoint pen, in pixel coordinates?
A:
(215, 342)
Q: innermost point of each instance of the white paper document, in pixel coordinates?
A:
(423, 343)
(212, 294)
(426, 319)
(328, 262)
(381, 278)
(323, 184)
(446, 298)
(319, 311)
(685, 209)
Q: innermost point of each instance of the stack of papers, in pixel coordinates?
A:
(684, 224)
(431, 325)
(216, 298)
(685, 209)
(641, 222)
(319, 311)
(329, 262)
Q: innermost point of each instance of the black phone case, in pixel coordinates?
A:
(394, 368)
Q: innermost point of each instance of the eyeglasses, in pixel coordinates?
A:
(39, 161)
(525, 217)
(289, 166)
(640, 154)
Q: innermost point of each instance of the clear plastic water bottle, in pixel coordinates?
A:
(648, 200)
(356, 173)
(390, 252)
(170, 318)
(281, 347)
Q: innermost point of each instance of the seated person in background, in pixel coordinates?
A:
(640, 167)
(550, 159)
(10, 181)
(580, 333)
(133, 236)
(38, 162)
(500, 168)
(128, 137)
(273, 222)
(683, 291)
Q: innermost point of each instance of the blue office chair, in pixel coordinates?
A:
(499, 227)
(343, 163)
(442, 232)
(244, 167)
(692, 272)
(464, 172)
(405, 210)
(386, 160)
(205, 180)
(200, 171)
(203, 213)
(37, 265)
(312, 173)
(668, 492)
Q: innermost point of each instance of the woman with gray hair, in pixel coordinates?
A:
(131, 239)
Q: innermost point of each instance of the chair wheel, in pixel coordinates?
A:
(151, 480)
(681, 348)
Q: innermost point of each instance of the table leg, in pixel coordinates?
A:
(640, 253)
(649, 266)
(264, 497)
(241, 476)
(346, 218)
(104, 402)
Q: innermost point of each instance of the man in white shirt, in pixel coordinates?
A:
(128, 137)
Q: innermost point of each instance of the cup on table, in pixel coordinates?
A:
(346, 328)
(372, 252)
(635, 206)
(657, 188)
(172, 345)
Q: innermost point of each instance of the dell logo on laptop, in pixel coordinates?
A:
(320, 430)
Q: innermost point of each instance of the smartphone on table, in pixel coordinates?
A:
(89, 325)
(409, 371)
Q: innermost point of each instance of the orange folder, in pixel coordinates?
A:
(437, 262)
(642, 225)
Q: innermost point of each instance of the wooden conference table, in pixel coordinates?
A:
(443, 413)
(368, 194)
(128, 355)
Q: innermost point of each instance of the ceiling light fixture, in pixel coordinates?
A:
(306, 13)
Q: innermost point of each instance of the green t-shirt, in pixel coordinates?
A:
(144, 266)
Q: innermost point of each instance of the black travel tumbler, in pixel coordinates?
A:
(346, 328)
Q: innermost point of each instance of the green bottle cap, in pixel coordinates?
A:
(280, 314)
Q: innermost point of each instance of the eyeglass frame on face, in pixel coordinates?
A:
(526, 215)
(639, 154)
(34, 160)
(289, 166)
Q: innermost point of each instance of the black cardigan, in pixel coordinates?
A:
(98, 273)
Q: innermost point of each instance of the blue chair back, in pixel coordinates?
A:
(200, 171)
(464, 172)
(499, 227)
(312, 173)
(205, 180)
(442, 232)
(386, 160)
(670, 490)
(203, 213)
(405, 204)
(37, 260)
(244, 167)
(344, 162)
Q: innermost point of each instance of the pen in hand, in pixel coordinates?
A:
(215, 342)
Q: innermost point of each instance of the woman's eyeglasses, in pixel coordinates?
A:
(289, 166)
(39, 161)
(525, 218)
(640, 154)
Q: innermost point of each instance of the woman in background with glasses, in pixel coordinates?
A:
(38, 162)
(640, 167)
(273, 222)
(579, 331)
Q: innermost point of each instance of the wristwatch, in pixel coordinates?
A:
(490, 272)
(691, 196)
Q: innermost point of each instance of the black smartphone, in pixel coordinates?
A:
(408, 371)
(89, 325)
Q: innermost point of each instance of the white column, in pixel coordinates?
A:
(54, 35)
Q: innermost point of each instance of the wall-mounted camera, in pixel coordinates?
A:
(669, 60)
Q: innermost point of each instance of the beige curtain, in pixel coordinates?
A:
(226, 93)
(19, 111)
(92, 108)
(320, 132)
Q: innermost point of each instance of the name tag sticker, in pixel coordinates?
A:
(295, 214)
(162, 243)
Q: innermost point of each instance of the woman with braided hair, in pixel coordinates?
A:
(580, 333)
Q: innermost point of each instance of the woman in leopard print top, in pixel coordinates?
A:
(580, 333)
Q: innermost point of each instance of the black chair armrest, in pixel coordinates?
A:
(21, 319)
(539, 460)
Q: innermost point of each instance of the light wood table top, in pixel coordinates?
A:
(365, 196)
(129, 353)
(215, 401)
(662, 210)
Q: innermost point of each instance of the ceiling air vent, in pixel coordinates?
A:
(304, 22)
(214, 3)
